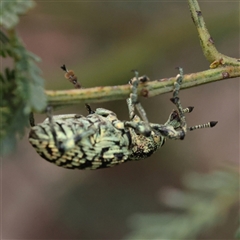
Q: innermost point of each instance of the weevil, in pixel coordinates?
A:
(100, 139)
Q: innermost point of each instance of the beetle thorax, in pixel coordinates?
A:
(142, 146)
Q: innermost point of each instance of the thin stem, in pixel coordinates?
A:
(206, 41)
(148, 89)
(222, 67)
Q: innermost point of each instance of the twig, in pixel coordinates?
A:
(206, 41)
(148, 89)
(222, 67)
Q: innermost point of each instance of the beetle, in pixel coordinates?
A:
(100, 139)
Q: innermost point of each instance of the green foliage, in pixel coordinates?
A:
(203, 206)
(21, 85)
(10, 11)
(237, 235)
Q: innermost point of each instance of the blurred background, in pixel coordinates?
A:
(102, 42)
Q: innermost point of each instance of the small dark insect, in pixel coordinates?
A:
(100, 139)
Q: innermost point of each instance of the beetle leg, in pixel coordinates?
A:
(133, 102)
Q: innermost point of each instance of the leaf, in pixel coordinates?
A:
(37, 97)
(205, 205)
(237, 234)
(5, 49)
(10, 11)
(21, 91)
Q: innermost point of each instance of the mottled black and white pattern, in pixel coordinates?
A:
(101, 140)
(91, 142)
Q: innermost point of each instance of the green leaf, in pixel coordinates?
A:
(237, 235)
(5, 49)
(21, 91)
(37, 97)
(204, 205)
(10, 11)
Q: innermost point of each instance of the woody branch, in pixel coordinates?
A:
(222, 67)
